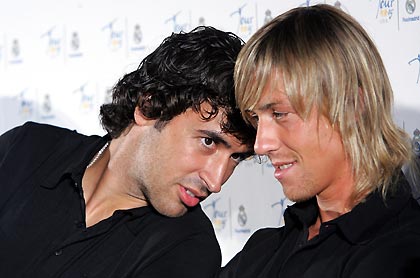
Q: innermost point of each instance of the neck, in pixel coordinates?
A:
(334, 202)
(106, 185)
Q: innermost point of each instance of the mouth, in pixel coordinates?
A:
(190, 197)
(286, 166)
(282, 168)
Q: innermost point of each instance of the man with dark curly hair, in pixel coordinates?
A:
(127, 204)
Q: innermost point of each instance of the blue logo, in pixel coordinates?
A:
(417, 59)
(410, 8)
(385, 10)
(176, 27)
(218, 217)
(242, 220)
(245, 23)
(53, 48)
(86, 100)
(283, 203)
(26, 105)
(115, 38)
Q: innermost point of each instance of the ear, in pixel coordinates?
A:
(140, 119)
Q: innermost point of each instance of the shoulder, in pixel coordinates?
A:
(258, 250)
(37, 133)
(397, 257)
(394, 253)
(33, 143)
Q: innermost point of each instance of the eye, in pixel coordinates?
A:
(253, 118)
(238, 157)
(279, 115)
(207, 142)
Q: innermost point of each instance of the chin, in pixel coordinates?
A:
(172, 212)
(297, 197)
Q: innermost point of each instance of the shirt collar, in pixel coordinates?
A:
(360, 224)
(366, 219)
(301, 215)
(72, 159)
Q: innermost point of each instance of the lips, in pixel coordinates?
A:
(190, 197)
(282, 168)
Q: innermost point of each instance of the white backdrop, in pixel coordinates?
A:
(58, 60)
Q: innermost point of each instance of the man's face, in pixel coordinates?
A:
(181, 164)
(307, 155)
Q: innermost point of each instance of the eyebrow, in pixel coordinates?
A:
(216, 137)
(262, 108)
(270, 105)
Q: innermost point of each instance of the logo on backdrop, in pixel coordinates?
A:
(201, 21)
(1, 53)
(245, 23)
(176, 26)
(75, 49)
(218, 217)
(53, 42)
(308, 3)
(268, 17)
(340, 6)
(385, 10)
(417, 59)
(137, 38)
(242, 220)
(115, 37)
(410, 8)
(86, 99)
(26, 105)
(46, 108)
(416, 141)
(283, 203)
(15, 52)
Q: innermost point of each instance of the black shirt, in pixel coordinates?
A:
(42, 218)
(375, 239)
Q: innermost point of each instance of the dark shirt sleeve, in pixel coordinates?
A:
(397, 259)
(249, 262)
(6, 140)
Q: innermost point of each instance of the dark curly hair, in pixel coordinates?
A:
(185, 71)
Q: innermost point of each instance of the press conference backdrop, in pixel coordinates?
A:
(59, 60)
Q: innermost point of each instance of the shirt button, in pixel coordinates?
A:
(58, 252)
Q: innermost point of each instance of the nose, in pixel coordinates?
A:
(215, 174)
(265, 140)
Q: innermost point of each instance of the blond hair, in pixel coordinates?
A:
(328, 61)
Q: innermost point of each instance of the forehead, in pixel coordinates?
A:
(194, 123)
(273, 93)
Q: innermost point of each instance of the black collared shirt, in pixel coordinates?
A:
(376, 239)
(42, 218)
